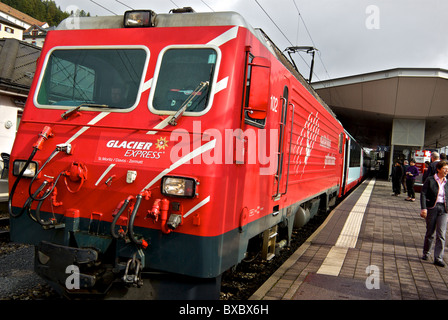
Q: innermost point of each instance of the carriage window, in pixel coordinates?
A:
(181, 73)
(93, 77)
(355, 155)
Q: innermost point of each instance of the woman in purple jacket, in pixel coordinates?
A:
(411, 173)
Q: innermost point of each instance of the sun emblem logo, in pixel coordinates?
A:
(162, 143)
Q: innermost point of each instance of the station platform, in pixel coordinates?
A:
(368, 248)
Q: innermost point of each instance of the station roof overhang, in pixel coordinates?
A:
(367, 104)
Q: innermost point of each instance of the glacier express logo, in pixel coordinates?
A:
(127, 151)
(139, 145)
(162, 143)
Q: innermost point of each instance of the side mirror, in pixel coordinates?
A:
(258, 103)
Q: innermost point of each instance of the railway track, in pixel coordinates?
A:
(243, 280)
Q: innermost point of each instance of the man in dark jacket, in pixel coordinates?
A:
(397, 173)
(435, 158)
(434, 204)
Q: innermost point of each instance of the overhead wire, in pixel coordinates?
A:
(284, 35)
(207, 5)
(177, 6)
(275, 24)
(124, 4)
(311, 38)
(103, 7)
(320, 56)
(298, 24)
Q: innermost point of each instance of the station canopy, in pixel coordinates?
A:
(367, 104)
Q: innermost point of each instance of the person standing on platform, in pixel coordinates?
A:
(435, 157)
(425, 171)
(443, 157)
(434, 204)
(403, 180)
(397, 174)
(411, 173)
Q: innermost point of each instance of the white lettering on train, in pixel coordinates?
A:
(139, 145)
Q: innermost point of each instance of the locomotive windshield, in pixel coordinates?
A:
(181, 71)
(107, 77)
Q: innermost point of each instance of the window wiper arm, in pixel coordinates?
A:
(183, 107)
(69, 112)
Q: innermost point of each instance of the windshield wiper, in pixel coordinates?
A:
(69, 112)
(184, 105)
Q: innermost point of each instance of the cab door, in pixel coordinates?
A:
(285, 127)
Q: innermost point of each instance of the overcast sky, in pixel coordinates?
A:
(352, 36)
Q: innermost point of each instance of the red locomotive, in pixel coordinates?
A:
(161, 147)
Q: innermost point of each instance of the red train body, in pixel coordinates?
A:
(214, 141)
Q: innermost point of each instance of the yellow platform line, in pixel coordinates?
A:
(349, 235)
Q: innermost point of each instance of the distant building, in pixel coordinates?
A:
(17, 68)
(19, 18)
(35, 35)
(20, 26)
(9, 29)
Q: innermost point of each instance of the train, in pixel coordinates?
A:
(158, 151)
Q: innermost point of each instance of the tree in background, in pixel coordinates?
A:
(45, 11)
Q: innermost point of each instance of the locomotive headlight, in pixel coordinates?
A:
(139, 18)
(29, 172)
(179, 187)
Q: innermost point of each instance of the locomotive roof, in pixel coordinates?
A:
(227, 18)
